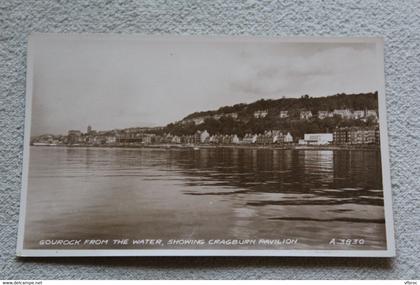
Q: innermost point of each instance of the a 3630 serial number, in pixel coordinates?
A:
(346, 241)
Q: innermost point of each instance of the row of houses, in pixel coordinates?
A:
(128, 137)
(343, 113)
(91, 137)
(340, 136)
(303, 115)
(204, 137)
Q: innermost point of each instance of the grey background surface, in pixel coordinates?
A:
(397, 21)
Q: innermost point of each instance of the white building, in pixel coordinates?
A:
(358, 114)
(284, 114)
(198, 120)
(254, 138)
(305, 115)
(250, 138)
(176, 139)
(204, 136)
(277, 136)
(372, 113)
(235, 139)
(231, 115)
(317, 139)
(288, 138)
(147, 139)
(260, 114)
(324, 114)
(217, 116)
(343, 113)
(111, 139)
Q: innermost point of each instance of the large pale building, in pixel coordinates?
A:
(317, 139)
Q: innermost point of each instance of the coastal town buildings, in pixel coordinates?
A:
(235, 139)
(317, 139)
(343, 113)
(325, 114)
(265, 138)
(204, 136)
(358, 114)
(363, 129)
(249, 139)
(340, 136)
(260, 114)
(347, 114)
(230, 115)
(372, 114)
(288, 138)
(356, 135)
(200, 120)
(284, 114)
(305, 115)
(176, 140)
(48, 139)
(74, 137)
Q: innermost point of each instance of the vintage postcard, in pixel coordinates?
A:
(183, 145)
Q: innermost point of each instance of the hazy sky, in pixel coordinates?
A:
(118, 82)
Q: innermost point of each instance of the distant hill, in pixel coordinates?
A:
(285, 114)
(328, 103)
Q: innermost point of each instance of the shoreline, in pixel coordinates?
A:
(230, 146)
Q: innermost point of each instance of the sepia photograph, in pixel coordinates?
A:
(205, 145)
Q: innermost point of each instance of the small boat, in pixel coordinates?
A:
(196, 148)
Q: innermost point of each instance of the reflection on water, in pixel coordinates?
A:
(223, 193)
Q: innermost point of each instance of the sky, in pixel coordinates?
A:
(119, 82)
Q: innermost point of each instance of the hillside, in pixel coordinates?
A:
(314, 104)
(246, 118)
